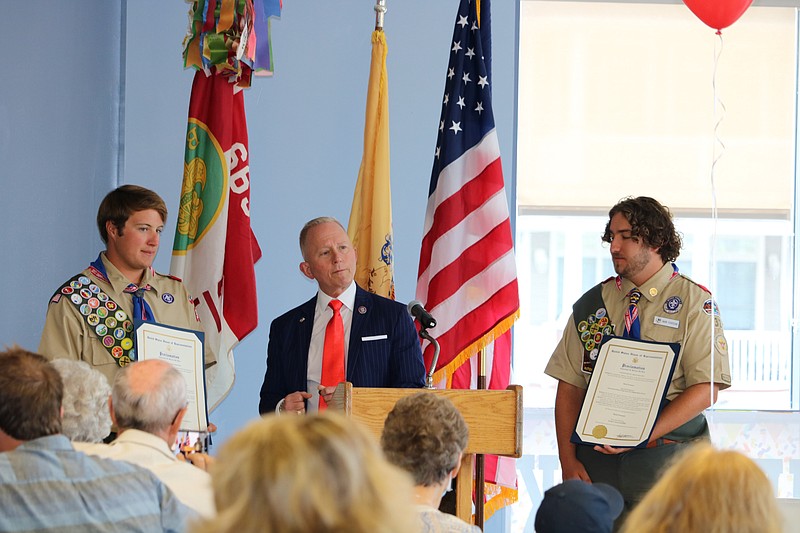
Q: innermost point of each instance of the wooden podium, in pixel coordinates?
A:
(494, 418)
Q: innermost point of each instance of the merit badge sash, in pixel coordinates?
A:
(592, 322)
(103, 315)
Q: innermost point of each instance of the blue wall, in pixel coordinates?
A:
(59, 138)
(100, 99)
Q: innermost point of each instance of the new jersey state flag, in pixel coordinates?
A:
(214, 251)
(370, 225)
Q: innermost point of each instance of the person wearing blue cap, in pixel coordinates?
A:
(576, 506)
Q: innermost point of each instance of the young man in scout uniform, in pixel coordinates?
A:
(91, 316)
(669, 308)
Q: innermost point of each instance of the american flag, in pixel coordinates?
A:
(467, 272)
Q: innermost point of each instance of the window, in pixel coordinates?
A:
(616, 99)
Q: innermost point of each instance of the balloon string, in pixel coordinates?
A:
(718, 151)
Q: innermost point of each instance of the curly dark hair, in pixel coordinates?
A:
(424, 435)
(650, 221)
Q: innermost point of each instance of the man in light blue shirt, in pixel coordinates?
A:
(45, 485)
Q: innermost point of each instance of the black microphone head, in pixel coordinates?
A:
(412, 304)
(417, 311)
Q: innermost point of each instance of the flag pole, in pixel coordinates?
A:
(480, 459)
(380, 11)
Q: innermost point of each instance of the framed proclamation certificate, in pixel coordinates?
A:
(183, 349)
(626, 392)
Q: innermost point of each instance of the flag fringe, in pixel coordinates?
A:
(465, 355)
(500, 497)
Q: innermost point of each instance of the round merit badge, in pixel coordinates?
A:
(168, 298)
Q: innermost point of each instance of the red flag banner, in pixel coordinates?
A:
(214, 249)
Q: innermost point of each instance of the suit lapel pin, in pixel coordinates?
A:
(362, 310)
(302, 319)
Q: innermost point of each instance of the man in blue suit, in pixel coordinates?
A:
(380, 338)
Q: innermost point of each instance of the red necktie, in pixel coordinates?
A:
(333, 351)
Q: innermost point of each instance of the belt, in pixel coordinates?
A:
(661, 442)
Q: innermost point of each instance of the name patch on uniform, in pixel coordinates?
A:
(668, 322)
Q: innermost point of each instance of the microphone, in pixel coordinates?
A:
(416, 310)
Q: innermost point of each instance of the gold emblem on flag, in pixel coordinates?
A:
(194, 181)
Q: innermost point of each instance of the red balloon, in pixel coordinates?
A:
(718, 14)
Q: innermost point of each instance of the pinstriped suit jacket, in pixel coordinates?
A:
(392, 362)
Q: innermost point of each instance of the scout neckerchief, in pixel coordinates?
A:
(113, 326)
(141, 309)
(592, 321)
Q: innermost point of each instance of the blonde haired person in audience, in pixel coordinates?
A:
(708, 491)
(86, 390)
(425, 435)
(297, 474)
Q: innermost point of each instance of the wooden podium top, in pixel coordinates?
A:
(494, 417)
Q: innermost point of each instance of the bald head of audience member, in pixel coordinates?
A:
(149, 396)
(31, 391)
(86, 391)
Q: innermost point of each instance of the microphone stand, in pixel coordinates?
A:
(423, 332)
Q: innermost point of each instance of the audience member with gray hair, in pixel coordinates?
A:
(149, 396)
(86, 390)
(148, 403)
(45, 485)
(425, 435)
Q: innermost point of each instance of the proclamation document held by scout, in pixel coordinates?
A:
(625, 393)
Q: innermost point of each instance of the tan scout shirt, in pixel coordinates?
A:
(67, 335)
(672, 309)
